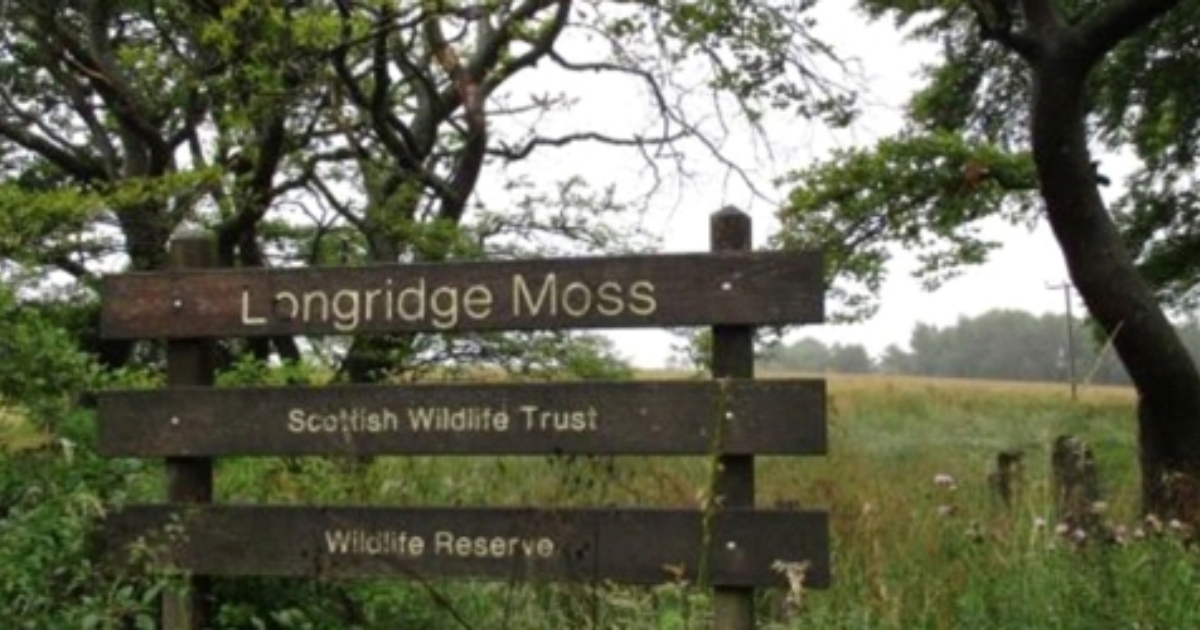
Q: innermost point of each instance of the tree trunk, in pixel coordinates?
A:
(1166, 378)
(374, 358)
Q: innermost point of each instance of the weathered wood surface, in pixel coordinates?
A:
(733, 358)
(635, 418)
(627, 546)
(734, 288)
(192, 363)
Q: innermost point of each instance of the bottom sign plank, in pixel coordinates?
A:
(647, 546)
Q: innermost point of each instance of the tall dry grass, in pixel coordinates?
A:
(920, 538)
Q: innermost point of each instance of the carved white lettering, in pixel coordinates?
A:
(642, 300)
(373, 543)
(446, 306)
(448, 543)
(559, 420)
(246, 318)
(523, 298)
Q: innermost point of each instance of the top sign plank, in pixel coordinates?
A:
(742, 288)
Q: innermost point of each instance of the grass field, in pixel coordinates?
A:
(908, 552)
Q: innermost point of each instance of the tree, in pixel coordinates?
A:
(803, 355)
(350, 132)
(1003, 344)
(1011, 110)
(849, 359)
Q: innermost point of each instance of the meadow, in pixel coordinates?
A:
(921, 540)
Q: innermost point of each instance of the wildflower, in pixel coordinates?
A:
(1139, 533)
(1177, 526)
(1120, 535)
(1062, 529)
(1153, 523)
(1078, 535)
(1039, 524)
(1099, 507)
(946, 511)
(795, 572)
(68, 449)
(942, 480)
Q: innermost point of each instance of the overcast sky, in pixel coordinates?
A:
(1018, 276)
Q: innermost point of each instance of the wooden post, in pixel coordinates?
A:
(733, 357)
(189, 479)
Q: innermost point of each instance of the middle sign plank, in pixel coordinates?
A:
(780, 417)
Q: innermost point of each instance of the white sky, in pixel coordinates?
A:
(1018, 275)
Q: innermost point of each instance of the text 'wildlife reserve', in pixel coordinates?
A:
(444, 543)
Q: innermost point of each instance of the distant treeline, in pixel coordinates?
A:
(999, 344)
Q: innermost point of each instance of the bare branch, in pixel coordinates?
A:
(539, 48)
(513, 154)
(473, 100)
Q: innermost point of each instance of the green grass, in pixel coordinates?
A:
(908, 553)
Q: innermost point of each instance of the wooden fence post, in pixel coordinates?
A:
(189, 479)
(733, 357)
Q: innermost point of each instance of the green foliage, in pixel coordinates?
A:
(811, 356)
(1008, 345)
(1141, 105)
(42, 368)
(1141, 98)
(557, 355)
(33, 221)
(246, 371)
(52, 574)
(925, 193)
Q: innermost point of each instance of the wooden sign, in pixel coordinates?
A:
(729, 288)
(680, 417)
(737, 548)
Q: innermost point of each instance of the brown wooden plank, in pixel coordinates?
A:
(672, 417)
(628, 546)
(743, 288)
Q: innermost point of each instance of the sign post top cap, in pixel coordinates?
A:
(189, 231)
(729, 211)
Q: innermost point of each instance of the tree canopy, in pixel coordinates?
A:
(348, 132)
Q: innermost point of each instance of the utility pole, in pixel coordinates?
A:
(1065, 287)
